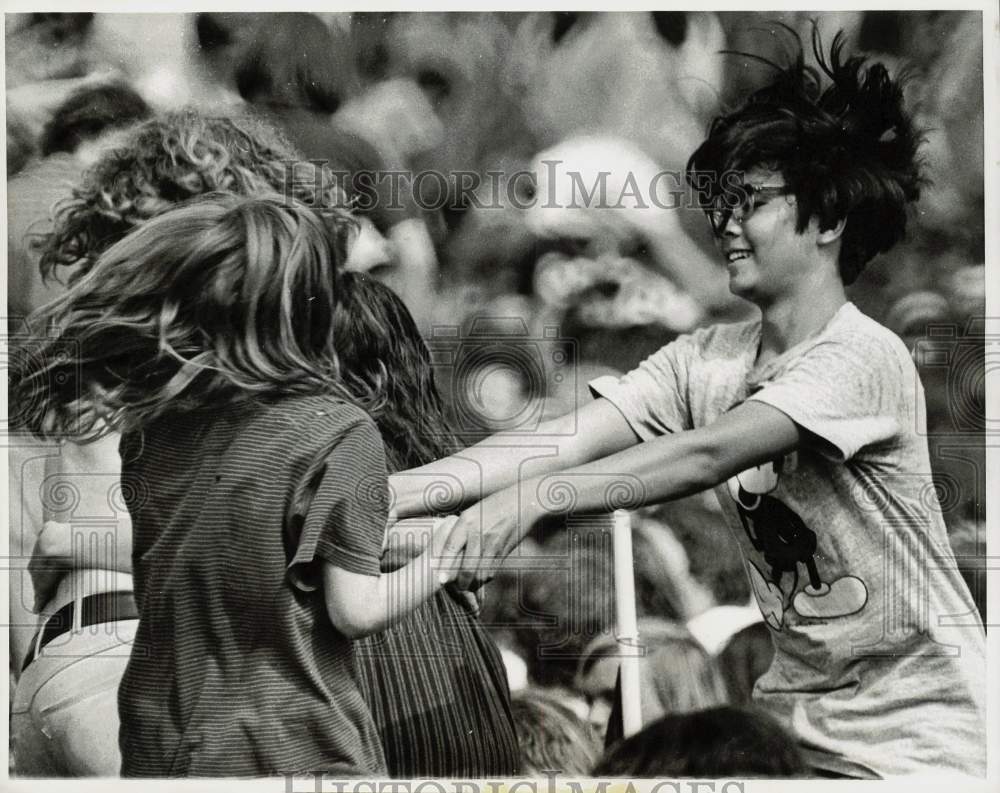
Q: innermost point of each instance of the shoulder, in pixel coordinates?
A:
(318, 414)
(723, 340)
(867, 339)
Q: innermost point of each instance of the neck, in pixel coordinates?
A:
(794, 318)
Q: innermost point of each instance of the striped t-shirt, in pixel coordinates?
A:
(236, 670)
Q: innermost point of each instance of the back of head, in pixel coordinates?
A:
(719, 742)
(170, 159)
(677, 674)
(386, 364)
(551, 736)
(683, 677)
(90, 112)
(221, 299)
(846, 151)
(746, 656)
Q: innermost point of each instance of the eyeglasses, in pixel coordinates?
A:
(739, 203)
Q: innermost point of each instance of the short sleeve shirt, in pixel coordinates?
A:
(236, 669)
(880, 655)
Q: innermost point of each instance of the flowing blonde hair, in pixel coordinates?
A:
(217, 300)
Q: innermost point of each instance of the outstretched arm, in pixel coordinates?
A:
(596, 430)
(662, 469)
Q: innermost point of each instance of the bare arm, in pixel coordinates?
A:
(360, 605)
(596, 430)
(662, 469)
(61, 547)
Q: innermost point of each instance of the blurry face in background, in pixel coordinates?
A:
(652, 78)
(369, 251)
(457, 60)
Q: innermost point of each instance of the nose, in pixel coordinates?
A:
(733, 227)
(369, 249)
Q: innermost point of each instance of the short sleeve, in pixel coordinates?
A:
(654, 396)
(846, 393)
(340, 508)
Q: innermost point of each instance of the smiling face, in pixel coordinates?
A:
(766, 257)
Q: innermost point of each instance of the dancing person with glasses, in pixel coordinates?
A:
(808, 424)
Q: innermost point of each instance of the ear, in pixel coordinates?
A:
(832, 234)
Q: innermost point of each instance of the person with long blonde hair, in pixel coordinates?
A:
(255, 481)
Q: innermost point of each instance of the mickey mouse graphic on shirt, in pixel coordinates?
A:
(785, 542)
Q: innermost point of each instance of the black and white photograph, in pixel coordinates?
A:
(507, 398)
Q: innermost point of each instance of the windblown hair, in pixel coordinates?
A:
(846, 151)
(170, 159)
(386, 365)
(290, 61)
(215, 301)
(91, 111)
(708, 744)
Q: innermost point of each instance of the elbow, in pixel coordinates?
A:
(352, 625)
(707, 466)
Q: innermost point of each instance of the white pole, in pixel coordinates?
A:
(626, 623)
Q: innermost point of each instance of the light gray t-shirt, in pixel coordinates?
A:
(880, 654)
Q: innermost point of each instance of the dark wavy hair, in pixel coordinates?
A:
(91, 111)
(386, 365)
(170, 159)
(217, 300)
(846, 151)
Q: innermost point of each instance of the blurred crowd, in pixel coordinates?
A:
(569, 292)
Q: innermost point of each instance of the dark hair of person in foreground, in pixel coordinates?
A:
(712, 743)
(848, 150)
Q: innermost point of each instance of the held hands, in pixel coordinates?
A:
(468, 548)
(492, 529)
(447, 542)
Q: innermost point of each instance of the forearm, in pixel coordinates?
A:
(668, 467)
(594, 431)
(662, 469)
(99, 548)
(361, 605)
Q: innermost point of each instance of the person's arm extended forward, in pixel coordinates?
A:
(662, 469)
(595, 430)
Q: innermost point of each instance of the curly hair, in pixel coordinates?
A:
(218, 300)
(170, 159)
(846, 151)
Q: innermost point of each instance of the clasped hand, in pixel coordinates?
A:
(484, 535)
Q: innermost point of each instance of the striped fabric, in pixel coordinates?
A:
(234, 672)
(438, 691)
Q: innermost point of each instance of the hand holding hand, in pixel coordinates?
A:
(493, 528)
(447, 541)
